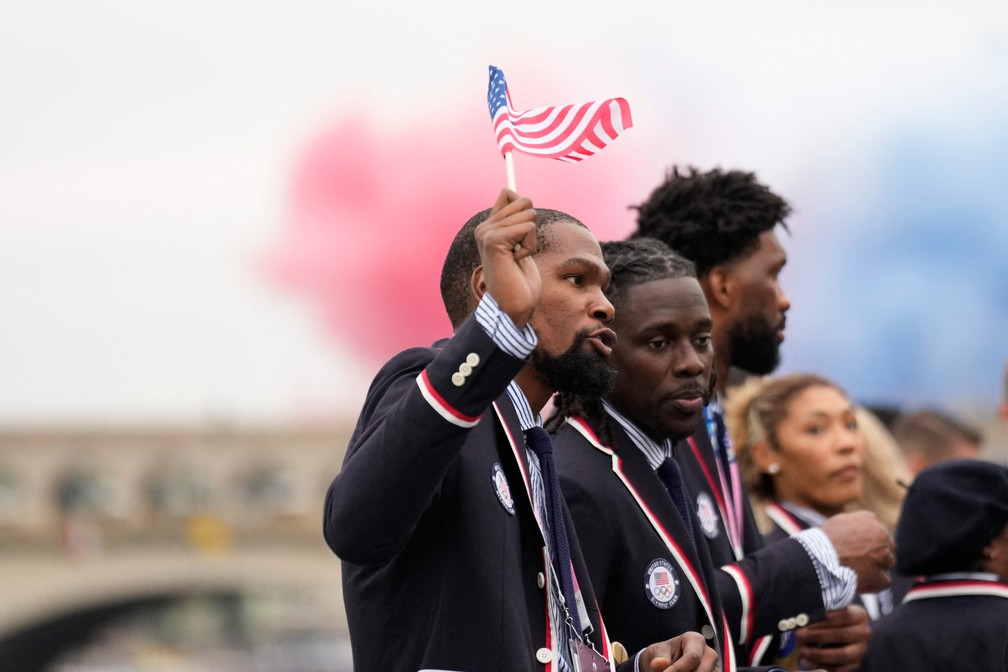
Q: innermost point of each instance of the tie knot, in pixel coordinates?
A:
(669, 469)
(538, 441)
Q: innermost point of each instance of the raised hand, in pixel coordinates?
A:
(506, 242)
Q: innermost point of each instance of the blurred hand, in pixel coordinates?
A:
(836, 644)
(687, 652)
(864, 545)
(506, 242)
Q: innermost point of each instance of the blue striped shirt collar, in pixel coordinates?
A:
(526, 418)
(656, 453)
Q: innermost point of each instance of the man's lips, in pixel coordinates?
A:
(603, 340)
(688, 400)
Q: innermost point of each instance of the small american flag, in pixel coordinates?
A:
(563, 132)
(661, 579)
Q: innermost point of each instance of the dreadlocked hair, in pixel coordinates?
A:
(631, 263)
(569, 405)
(710, 218)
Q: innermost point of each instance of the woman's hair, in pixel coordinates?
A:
(884, 471)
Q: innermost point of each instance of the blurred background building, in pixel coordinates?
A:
(157, 548)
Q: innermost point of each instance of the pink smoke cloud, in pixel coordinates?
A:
(372, 213)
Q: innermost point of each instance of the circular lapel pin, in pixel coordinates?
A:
(661, 584)
(708, 516)
(502, 489)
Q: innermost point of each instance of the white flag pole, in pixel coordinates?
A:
(509, 163)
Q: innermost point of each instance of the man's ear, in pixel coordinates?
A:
(477, 284)
(718, 284)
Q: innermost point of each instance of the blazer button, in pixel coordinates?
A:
(465, 369)
(782, 625)
(801, 620)
(540, 580)
(458, 380)
(544, 655)
(707, 631)
(472, 359)
(792, 623)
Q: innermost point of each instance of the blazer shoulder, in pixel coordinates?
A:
(571, 448)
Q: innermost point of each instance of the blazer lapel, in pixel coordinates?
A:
(653, 500)
(696, 455)
(513, 452)
(507, 421)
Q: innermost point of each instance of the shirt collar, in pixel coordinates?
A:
(526, 418)
(965, 576)
(656, 453)
(813, 518)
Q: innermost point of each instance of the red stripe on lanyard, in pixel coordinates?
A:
(719, 495)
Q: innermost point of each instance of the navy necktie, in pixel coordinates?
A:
(671, 476)
(538, 441)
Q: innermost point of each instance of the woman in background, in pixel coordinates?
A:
(803, 457)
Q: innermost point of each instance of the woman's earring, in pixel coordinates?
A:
(774, 468)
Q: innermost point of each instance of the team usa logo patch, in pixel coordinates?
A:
(661, 584)
(708, 516)
(502, 489)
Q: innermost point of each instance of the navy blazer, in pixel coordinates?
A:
(772, 588)
(631, 530)
(785, 523)
(950, 625)
(443, 561)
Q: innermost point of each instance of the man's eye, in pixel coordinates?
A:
(657, 344)
(575, 280)
(703, 341)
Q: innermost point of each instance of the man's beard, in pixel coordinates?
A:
(577, 370)
(754, 345)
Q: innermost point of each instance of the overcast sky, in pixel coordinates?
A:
(147, 151)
